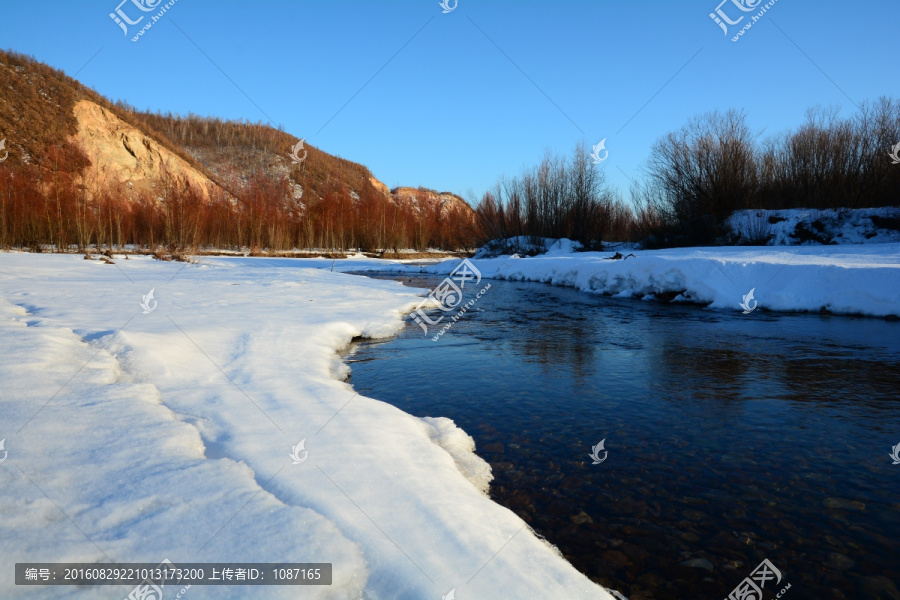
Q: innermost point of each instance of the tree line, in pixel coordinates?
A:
(698, 175)
(562, 197)
(56, 204)
(51, 192)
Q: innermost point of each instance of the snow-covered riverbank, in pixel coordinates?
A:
(859, 279)
(136, 435)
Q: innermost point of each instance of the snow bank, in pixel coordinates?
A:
(527, 246)
(813, 226)
(137, 435)
(461, 447)
(861, 279)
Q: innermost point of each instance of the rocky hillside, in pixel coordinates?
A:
(47, 112)
(123, 157)
(234, 151)
(52, 121)
(82, 168)
(449, 203)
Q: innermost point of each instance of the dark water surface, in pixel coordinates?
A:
(730, 438)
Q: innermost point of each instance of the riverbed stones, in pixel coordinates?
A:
(844, 504)
(839, 561)
(582, 518)
(877, 588)
(698, 563)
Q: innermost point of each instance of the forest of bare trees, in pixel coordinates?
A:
(53, 205)
(563, 197)
(694, 178)
(714, 165)
(52, 194)
(700, 174)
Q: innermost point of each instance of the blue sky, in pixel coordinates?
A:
(454, 101)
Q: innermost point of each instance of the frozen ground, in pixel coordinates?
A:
(134, 437)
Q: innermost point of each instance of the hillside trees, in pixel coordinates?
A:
(63, 201)
(51, 194)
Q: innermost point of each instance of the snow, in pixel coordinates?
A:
(528, 245)
(861, 279)
(461, 447)
(136, 437)
(830, 226)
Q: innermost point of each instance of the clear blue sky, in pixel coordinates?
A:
(453, 101)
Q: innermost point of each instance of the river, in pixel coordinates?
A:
(728, 438)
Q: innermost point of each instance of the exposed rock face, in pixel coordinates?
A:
(380, 186)
(129, 152)
(122, 154)
(449, 203)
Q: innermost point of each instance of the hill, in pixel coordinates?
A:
(85, 171)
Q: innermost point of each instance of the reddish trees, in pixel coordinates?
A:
(62, 205)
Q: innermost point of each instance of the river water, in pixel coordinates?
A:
(729, 438)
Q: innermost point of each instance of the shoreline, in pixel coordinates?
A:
(845, 280)
(233, 368)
